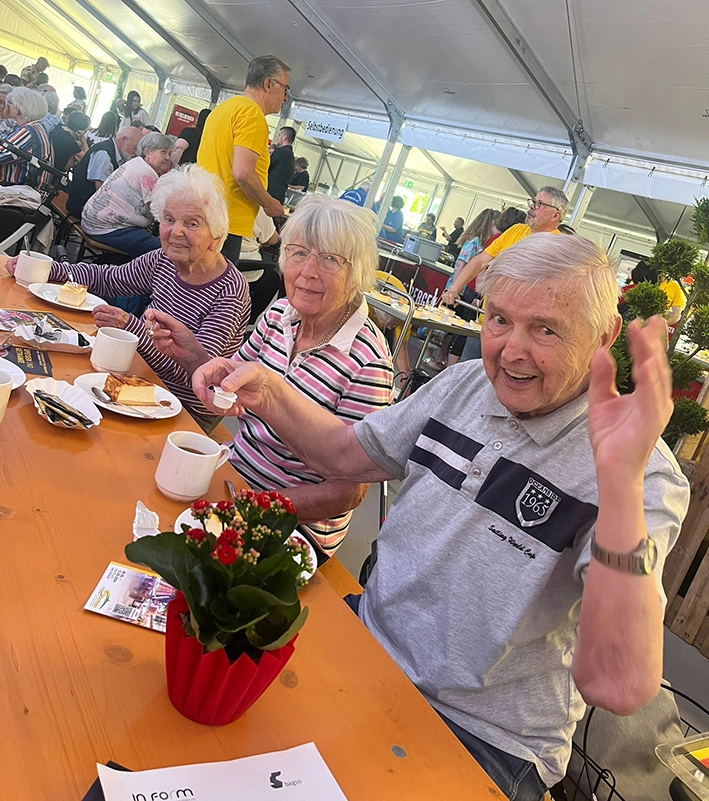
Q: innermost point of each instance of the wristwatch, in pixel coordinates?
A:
(640, 562)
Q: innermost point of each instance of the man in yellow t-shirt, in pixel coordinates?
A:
(677, 300)
(234, 146)
(546, 211)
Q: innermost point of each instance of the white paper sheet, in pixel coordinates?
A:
(299, 774)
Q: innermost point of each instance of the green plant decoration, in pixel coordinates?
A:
(688, 417)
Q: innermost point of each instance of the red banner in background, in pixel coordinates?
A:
(427, 284)
(180, 118)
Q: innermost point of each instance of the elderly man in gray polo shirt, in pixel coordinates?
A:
(519, 570)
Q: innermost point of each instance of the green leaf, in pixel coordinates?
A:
(271, 564)
(260, 642)
(255, 599)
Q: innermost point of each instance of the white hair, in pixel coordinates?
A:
(192, 184)
(52, 99)
(566, 261)
(31, 104)
(155, 141)
(329, 225)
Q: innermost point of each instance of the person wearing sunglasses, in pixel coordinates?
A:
(546, 211)
(234, 146)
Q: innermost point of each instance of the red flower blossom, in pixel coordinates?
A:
(230, 537)
(200, 506)
(263, 500)
(224, 506)
(196, 535)
(288, 506)
(225, 554)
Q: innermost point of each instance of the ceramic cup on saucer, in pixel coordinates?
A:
(114, 350)
(187, 465)
(5, 390)
(32, 268)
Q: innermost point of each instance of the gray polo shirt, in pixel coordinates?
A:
(478, 582)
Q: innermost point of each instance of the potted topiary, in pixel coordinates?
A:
(232, 625)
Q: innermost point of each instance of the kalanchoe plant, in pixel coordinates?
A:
(242, 585)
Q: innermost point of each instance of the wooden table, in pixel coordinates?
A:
(77, 688)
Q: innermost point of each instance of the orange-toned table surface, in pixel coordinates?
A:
(77, 688)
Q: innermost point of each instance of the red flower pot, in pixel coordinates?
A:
(206, 687)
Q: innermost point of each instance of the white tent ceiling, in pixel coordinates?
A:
(632, 71)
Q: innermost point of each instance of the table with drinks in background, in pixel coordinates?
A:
(79, 688)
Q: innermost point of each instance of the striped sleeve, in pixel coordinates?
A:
(108, 280)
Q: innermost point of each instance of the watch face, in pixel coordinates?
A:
(650, 556)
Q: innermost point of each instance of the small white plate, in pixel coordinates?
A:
(50, 292)
(215, 527)
(69, 394)
(18, 375)
(89, 380)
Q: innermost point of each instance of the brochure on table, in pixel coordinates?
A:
(301, 773)
(133, 595)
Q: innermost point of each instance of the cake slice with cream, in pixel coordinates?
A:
(72, 294)
(130, 389)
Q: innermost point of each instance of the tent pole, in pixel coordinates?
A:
(391, 186)
(582, 203)
(444, 198)
(396, 122)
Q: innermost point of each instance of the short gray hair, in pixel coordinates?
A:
(155, 141)
(31, 104)
(558, 199)
(329, 225)
(193, 184)
(5, 88)
(565, 261)
(52, 99)
(262, 68)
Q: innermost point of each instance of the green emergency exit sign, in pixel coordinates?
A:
(408, 184)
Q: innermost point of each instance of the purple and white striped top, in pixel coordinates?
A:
(216, 312)
(351, 375)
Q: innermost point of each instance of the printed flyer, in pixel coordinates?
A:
(132, 595)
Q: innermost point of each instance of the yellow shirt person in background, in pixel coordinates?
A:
(677, 300)
(237, 122)
(234, 146)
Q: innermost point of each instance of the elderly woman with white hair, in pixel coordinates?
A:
(187, 278)
(118, 214)
(321, 340)
(26, 108)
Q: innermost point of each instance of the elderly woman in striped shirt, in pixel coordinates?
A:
(187, 278)
(321, 341)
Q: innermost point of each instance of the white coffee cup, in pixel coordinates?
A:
(185, 475)
(33, 268)
(114, 350)
(5, 390)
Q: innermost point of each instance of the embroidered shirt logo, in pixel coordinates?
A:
(535, 504)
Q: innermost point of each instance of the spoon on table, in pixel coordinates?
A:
(105, 398)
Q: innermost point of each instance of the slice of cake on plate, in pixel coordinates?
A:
(72, 294)
(130, 389)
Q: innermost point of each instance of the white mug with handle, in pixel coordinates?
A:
(32, 268)
(114, 350)
(187, 465)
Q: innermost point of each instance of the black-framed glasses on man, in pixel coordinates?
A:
(533, 203)
(284, 86)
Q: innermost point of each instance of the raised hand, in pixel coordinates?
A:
(623, 429)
